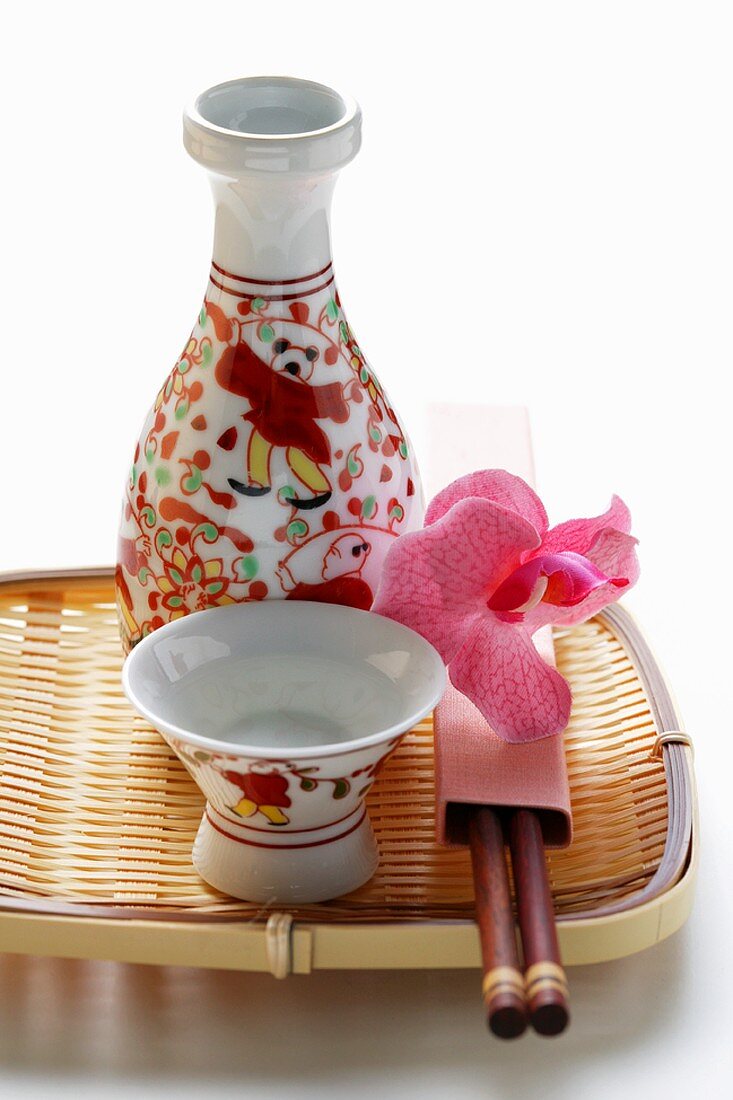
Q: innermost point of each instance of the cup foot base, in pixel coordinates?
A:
(285, 874)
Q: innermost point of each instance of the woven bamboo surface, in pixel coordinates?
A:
(95, 808)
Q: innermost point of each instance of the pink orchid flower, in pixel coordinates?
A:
(485, 573)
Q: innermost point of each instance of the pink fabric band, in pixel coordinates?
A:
(472, 765)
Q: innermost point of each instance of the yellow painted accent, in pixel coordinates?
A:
(258, 460)
(274, 814)
(245, 807)
(307, 471)
(132, 626)
(164, 584)
(212, 568)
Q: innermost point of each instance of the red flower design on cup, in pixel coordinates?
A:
(262, 792)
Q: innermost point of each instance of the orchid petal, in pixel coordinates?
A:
(569, 579)
(500, 671)
(497, 485)
(579, 535)
(614, 553)
(514, 593)
(437, 580)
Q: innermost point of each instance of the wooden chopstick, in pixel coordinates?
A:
(503, 981)
(546, 984)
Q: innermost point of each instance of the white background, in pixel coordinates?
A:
(541, 214)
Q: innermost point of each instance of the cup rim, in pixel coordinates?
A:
(276, 753)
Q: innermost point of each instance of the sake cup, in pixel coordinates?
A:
(283, 712)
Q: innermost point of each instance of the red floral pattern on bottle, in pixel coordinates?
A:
(191, 584)
(270, 431)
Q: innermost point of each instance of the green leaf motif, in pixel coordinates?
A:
(214, 587)
(397, 512)
(297, 529)
(163, 539)
(344, 332)
(267, 332)
(193, 480)
(364, 375)
(181, 408)
(341, 788)
(403, 448)
(332, 310)
(150, 455)
(176, 576)
(207, 354)
(143, 575)
(147, 515)
(353, 463)
(308, 784)
(175, 602)
(248, 567)
(202, 318)
(206, 531)
(375, 434)
(184, 366)
(162, 475)
(197, 574)
(258, 303)
(369, 507)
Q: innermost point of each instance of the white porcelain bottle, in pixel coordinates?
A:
(271, 464)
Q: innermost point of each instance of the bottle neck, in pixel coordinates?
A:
(272, 229)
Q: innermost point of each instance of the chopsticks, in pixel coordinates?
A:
(510, 996)
(503, 981)
(483, 782)
(545, 981)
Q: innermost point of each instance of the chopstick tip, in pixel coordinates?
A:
(550, 1019)
(507, 1022)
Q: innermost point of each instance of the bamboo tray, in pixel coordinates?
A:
(97, 816)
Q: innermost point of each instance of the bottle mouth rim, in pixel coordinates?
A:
(251, 93)
(272, 124)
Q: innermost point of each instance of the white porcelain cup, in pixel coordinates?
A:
(283, 712)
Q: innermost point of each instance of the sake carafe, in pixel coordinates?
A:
(271, 464)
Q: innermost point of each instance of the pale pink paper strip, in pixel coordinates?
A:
(473, 766)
